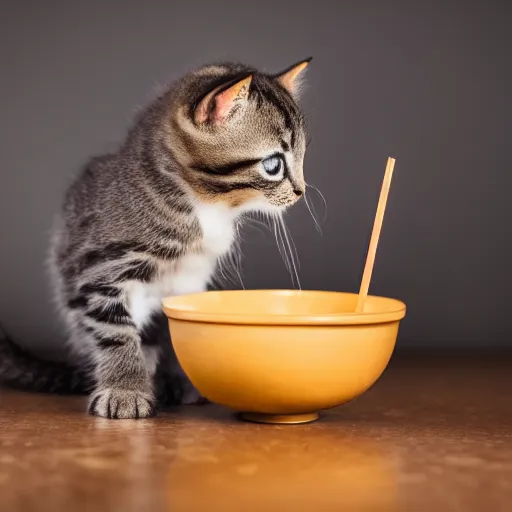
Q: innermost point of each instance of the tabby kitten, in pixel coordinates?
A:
(152, 220)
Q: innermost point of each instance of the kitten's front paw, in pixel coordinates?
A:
(116, 403)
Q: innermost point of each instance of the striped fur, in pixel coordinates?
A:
(154, 218)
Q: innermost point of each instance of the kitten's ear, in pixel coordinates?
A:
(292, 78)
(216, 106)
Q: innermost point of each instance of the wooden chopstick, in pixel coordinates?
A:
(374, 241)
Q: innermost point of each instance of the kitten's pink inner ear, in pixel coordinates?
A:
(226, 100)
(290, 79)
(217, 106)
(201, 112)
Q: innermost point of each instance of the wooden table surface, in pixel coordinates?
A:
(434, 434)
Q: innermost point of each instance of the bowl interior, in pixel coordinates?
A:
(288, 306)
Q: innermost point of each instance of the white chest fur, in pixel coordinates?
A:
(192, 272)
(217, 225)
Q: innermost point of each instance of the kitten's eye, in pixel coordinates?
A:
(273, 167)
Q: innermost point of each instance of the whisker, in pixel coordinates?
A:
(221, 277)
(312, 212)
(280, 245)
(237, 257)
(317, 190)
(229, 266)
(290, 241)
(274, 222)
(254, 223)
(292, 250)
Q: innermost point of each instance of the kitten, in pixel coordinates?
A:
(152, 220)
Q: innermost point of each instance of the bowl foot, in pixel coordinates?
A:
(281, 419)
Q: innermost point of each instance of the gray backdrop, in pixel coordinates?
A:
(426, 82)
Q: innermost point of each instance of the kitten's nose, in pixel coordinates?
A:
(298, 192)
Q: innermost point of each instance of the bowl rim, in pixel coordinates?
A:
(175, 312)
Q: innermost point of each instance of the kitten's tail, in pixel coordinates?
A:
(23, 371)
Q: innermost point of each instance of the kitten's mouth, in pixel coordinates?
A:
(293, 199)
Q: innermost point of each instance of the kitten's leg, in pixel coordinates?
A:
(124, 387)
(173, 386)
(151, 356)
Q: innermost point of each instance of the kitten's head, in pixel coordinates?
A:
(240, 136)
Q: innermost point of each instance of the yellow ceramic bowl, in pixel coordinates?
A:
(280, 356)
